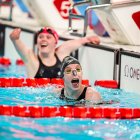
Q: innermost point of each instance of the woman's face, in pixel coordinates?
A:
(73, 76)
(46, 42)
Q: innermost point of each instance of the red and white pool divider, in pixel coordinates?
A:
(19, 62)
(33, 82)
(37, 82)
(5, 61)
(106, 83)
(72, 112)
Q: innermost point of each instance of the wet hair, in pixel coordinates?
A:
(48, 30)
(67, 61)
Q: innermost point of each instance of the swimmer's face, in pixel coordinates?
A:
(73, 76)
(47, 39)
(46, 42)
(48, 30)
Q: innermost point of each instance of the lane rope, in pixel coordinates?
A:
(33, 82)
(71, 112)
(37, 82)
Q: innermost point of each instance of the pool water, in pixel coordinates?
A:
(62, 128)
(12, 71)
(46, 97)
(59, 128)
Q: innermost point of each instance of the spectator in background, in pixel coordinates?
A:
(47, 63)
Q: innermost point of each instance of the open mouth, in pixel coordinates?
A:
(75, 82)
(44, 45)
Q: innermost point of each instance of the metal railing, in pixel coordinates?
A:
(85, 16)
(10, 4)
(72, 15)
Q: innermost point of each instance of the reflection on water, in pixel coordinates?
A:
(68, 128)
(12, 71)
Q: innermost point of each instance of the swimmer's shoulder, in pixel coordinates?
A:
(92, 94)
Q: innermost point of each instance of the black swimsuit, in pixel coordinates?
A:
(49, 71)
(82, 96)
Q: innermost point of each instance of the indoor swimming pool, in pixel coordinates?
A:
(31, 110)
(63, 128)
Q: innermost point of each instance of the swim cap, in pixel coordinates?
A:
(67, 61)
(48, 30)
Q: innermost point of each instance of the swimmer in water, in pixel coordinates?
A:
(74, 90)
(47, 63)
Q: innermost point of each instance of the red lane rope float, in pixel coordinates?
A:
(5, 61)
(32, 82)
(19, 62)
(57, 81)
(106, 83)
(35, 82)
(85, 82)
(72, 112)
(21, 82)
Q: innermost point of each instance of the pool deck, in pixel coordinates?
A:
(32, 25)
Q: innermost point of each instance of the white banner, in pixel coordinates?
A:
(130, 73)
(98, 64)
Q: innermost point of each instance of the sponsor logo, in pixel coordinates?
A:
(131, 72)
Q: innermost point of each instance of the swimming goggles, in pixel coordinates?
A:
(72, 71)
(49, 30)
